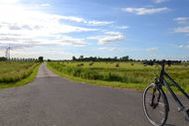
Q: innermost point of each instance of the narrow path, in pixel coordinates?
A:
(54, 101)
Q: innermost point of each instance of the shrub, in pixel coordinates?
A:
(81, 64)
(117, 65)
(90, 64)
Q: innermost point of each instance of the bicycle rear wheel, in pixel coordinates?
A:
(155, 105)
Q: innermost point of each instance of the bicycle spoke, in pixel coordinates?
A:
(154, 106)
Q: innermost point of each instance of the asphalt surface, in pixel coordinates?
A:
(54, 101)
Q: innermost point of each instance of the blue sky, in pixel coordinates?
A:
(60, 29)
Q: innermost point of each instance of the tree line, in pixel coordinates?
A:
(40, 59)
(124, 58)
(82, 58)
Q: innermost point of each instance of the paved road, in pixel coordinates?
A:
(54, 101)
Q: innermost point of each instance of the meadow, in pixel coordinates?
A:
(118, 74)
(13, 72)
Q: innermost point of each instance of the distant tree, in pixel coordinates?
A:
(48, 60)
(73, 58)
(40, 59)
(115, 58)
(3, 58)
(124, 58)
(169, 62)
(81, 57)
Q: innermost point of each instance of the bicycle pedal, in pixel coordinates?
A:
(180, 109)
(187, 114)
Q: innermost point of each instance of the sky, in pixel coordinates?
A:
(60, 29)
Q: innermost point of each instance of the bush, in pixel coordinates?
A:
(117, 65)
(90, 64)
(81, 64)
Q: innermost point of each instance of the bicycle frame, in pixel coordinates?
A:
(162, 80)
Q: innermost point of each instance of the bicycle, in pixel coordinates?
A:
(155, 103)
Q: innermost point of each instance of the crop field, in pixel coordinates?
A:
(119, 74)
(13, 72)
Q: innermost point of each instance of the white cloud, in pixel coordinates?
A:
(67, 40)
(107, 49)
(182, 20)
(24, 27)
(145, 11)
(100, 23)
(184, 29)
(108, 37)
(154, 49)
(71, 18)
(45, 5)
(21, 26)
(49, 54)
(122, 27)
(9, 1)
(160, 1)
(82, 20)
(184, 46)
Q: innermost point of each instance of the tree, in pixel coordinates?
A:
(125, 58)
(40, 59)
(73, 58)
(3, 58)
(81, 57)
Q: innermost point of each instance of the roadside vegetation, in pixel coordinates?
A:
(118, 74)
(16, 73)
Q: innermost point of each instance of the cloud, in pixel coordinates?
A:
(160, 1)
(184, 46)
(182, 20)
(9, 1)
(100, 23)
(145, 11)
(124, 27)
(108, 37)
(67, 40)
(108, 49)
(154, 49)
(45, 5)
(82, 20)
(22, 26)
(183, 25)
(53, 40)
(15, 46)
(71, 18)
(50, 53)
(184, 29)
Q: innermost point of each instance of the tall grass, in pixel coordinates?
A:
(125, 73)
(11, 72)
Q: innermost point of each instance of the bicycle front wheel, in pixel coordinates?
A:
(155, 105)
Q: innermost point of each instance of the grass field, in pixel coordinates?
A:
(118, 74)
(17, 73)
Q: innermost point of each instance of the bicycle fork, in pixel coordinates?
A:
(153, 103)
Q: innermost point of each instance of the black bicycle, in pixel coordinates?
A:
(155, 103)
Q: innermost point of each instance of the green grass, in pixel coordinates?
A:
(98, 82)
(117, 74)
(14, 74)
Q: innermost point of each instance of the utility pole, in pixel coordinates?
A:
(7, 52)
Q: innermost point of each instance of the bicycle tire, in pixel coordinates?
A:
(162, 104)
